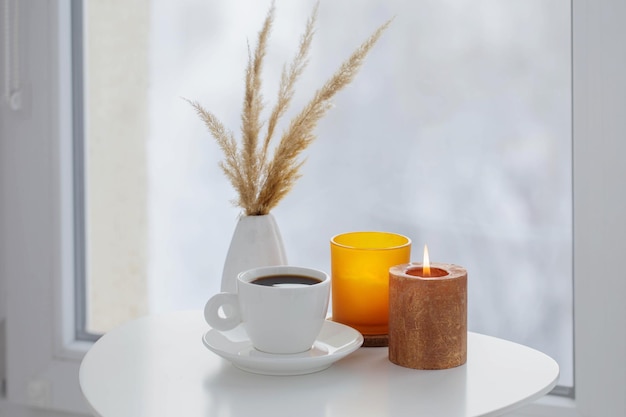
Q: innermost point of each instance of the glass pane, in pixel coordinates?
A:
(456, 133)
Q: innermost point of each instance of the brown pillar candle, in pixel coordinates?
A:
(428, 315)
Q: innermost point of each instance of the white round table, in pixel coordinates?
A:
(158, 366)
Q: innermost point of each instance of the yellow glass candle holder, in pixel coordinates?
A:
(360, 263)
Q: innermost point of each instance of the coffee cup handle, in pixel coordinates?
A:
(230, 317)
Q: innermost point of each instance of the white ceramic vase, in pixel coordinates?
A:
(256, 242)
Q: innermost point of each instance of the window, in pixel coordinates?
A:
(34, 262)
(456, 133)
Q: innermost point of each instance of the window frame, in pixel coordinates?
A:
(36, 251)
(36, 217)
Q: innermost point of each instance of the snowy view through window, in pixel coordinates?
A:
(456, 133)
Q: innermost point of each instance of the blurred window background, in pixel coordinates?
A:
(456, 132)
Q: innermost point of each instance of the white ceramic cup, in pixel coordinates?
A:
(280, 319)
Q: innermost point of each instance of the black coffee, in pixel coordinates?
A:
(285, 280)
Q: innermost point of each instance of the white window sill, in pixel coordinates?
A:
(549, 406)
(8, 408)
(73, 351)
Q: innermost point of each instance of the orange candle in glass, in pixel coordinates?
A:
(360, 263)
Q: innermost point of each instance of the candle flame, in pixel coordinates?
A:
(426, 263)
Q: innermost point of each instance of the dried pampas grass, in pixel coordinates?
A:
(262, 182)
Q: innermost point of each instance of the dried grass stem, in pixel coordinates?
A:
(260, 182)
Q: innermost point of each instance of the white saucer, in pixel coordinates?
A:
(334, 342)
